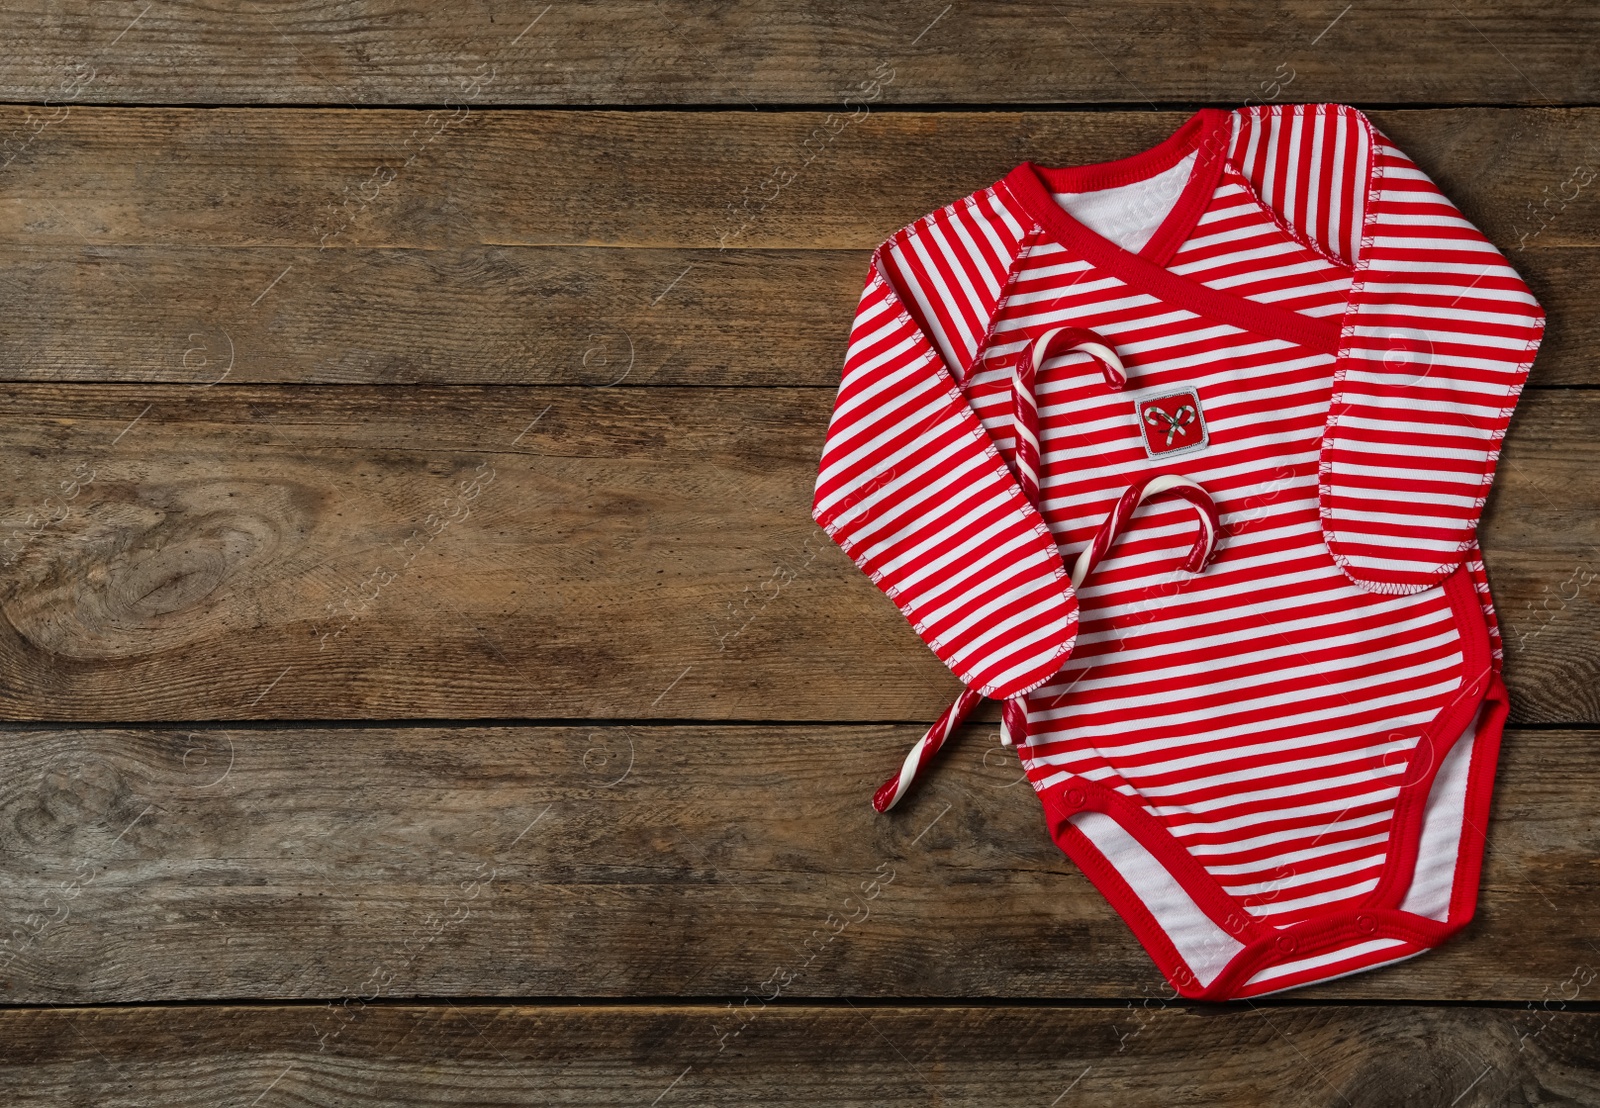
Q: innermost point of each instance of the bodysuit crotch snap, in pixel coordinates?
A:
(1025, 466)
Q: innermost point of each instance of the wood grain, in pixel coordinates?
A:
(458, 315)
(300, 246)
(872, 1056)
(475, 552)
(339, 179)
(509, 315)
(188, 532)
(406, 51)
(641, 861)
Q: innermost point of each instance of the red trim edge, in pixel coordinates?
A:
(1378, 916)
(1031, 185)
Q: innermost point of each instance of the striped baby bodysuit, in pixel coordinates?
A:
(1181, 457)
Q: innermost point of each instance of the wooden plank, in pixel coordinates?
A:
(361, 247)
(409, 51)
(337, 179)
(509, 315)
(345, 553)
(626, 553)
(646, 860)
(862, 1055)
(467, 315)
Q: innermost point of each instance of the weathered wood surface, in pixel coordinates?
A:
(406, 51)
(107, 176)
(509, 315)
(457, 315)
(642, 861)
(392, 246)
(871, 1056)
(191, 553)
(264, 551)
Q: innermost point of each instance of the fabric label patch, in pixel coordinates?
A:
(1172, 423)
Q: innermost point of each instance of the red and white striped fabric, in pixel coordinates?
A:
(910, 485)
(1025, 464)
(1277, 765)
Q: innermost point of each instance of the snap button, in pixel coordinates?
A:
(1287, 945)
(1366, 923)
(1074, 798)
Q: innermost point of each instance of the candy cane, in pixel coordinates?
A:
(1025, 421)
(1132, 497)
(1175, 421)
(1025, 464)
(890, 792)
(1067, 340)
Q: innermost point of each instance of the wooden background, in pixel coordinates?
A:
(423, 682)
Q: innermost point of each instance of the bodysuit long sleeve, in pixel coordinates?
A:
(1276, 764)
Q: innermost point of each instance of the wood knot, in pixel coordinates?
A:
(156, 568)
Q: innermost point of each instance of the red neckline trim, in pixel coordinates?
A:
(1205, 132)
(1192, 202)
(1126, 171)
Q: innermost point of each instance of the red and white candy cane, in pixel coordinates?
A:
(1025, 420)
(1024, 394)
(1204, 544)
(1081, 340)
(1014, 716)
(890, 792)
(1025, 464)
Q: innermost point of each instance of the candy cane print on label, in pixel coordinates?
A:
(1171, 422)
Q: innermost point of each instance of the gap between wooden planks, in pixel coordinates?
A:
(280, 552)
(548, 247)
